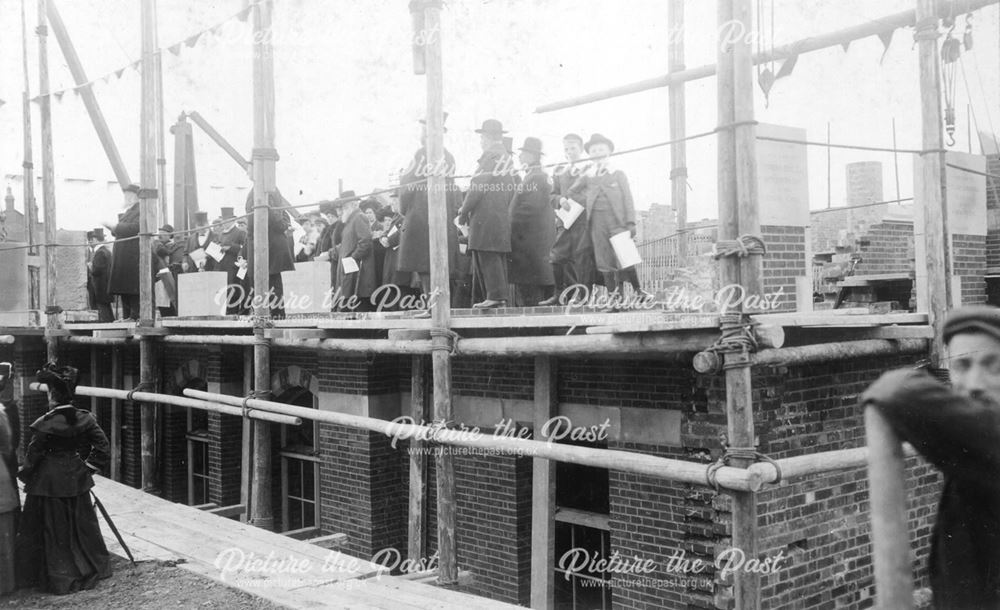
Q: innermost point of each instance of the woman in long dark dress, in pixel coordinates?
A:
(59, 542)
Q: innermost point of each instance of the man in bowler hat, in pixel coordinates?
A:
(98, 273)
(958, 430)
(486, 212)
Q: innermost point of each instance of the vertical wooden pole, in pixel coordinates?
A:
(52, 310)
(829, 169)
(890, 536)
(87, 94)
(739, 215)
(30, 206)
(246, 455)
(931, 195)
(116, 414)
(543, 492)
(418, 461)
(263, 168)
(147, 220)
(161, 154)
(729, 225)
(678, 128)
(95, 380)
(440, 313)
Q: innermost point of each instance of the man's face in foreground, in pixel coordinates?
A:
(975, 366)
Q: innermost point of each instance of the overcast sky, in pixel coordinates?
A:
(347, 100)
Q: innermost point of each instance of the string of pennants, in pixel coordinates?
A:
(767, 76)
(175, 49)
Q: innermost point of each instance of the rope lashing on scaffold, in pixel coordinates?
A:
(739, 453)
(743, 246)
(142, 387)
(737, 338)
(450, 335)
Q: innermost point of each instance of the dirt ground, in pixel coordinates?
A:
(148, 584)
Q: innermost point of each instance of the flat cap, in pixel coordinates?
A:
(982, 318)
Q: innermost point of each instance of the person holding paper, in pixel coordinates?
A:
(198, 244)
(355, 265)
(486, 210)
(231, 242)
(572, 254)
(605, 194)
(532, 229)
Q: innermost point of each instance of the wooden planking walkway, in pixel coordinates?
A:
(286, 571)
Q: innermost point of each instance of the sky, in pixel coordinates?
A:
(347, 101)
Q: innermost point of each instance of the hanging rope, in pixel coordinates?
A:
(142, 387)
(738, 453)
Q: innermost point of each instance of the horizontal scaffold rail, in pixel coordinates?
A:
(179, 401)
(664, 468)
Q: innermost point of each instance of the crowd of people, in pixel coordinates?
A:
(518, 236)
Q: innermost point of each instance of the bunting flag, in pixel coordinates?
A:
(886, 38)
(175, 49)
(787, 67)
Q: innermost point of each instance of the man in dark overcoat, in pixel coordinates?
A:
(279, 249)
(414, 242)
(572, 254)
(98, 274)
(356, 245)
(231, 240)
(486, 211)
(125, 255)
(958, 430)
(199, 240)
(532, 229)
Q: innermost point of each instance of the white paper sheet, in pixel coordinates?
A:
(350, 265)
(463, 228)
(625, 250)
(568, 217)
(214, 250)
(242, 273)
(198, 256)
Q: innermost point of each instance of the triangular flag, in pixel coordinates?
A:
(58, 95)
(119, 72)
(244, 14)
(886, 38)
(214, 30)
(136, 64)
(845, 45)
(766, 80)
(190, 41)
(2, 102)
(106, 79)
(787, 67)
(36, 99)
(175, 48)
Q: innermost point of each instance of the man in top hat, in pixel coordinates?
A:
(98, 274)
(197, 242)
(958, 430)
(232, 240)
(487, 214)
(414, 256)
(124, 279)
(168, 260)
(532, 229)
(605, 194)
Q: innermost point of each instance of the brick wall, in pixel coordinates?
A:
(494, 377)
(822, 522)
(493, 536)
(969, 261)
(993, 212)
(886, 247)
(784, 262)
(838, 227)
